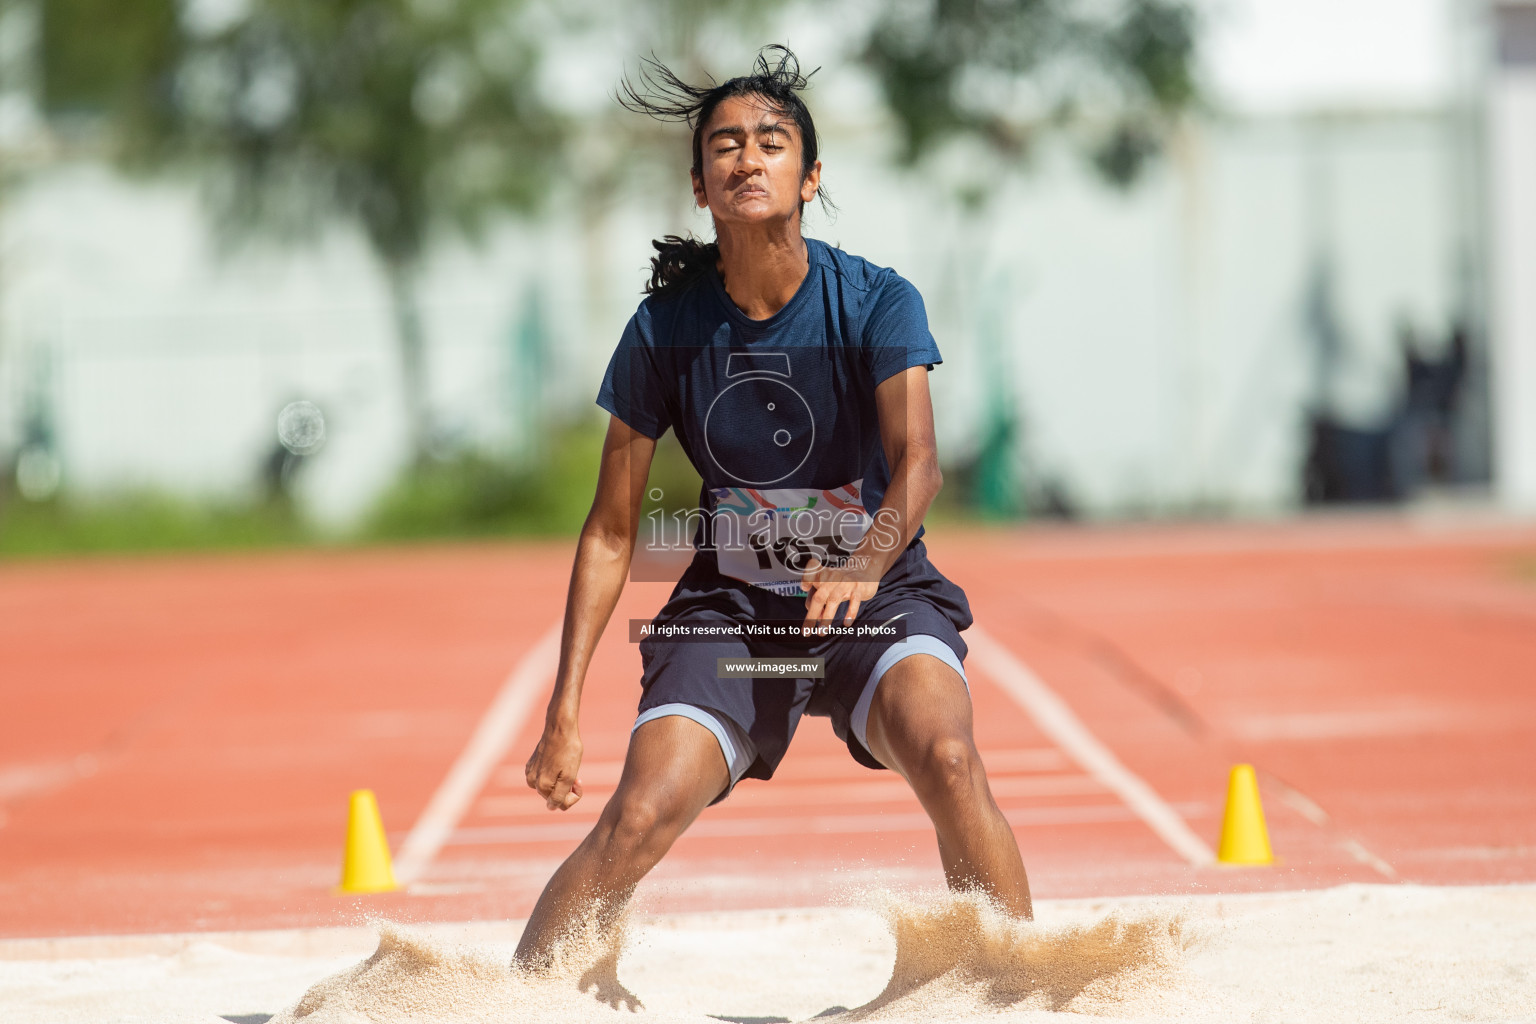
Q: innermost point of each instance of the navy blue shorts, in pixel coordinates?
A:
(754, 719)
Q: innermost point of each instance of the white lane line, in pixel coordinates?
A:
(1358, 851)
(1058, 721)
(498, 727)
(1298, 801)
(842, 824)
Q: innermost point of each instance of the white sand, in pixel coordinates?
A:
(1355, 953)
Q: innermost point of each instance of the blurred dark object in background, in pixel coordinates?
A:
(279, 470)
(1414, 447)
(989, 485)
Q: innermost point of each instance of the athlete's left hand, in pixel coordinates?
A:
(827, 587)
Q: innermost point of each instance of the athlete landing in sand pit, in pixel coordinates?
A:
(795, 378)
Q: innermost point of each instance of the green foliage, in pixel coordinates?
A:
(1002, 71)
(143, 521)
(397, 116)
(97, 54)
(1156, 42)
(472, 494)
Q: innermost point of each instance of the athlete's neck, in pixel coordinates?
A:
(762, 270)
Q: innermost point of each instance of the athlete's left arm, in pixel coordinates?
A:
(905, 409)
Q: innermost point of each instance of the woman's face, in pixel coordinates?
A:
(751, 164)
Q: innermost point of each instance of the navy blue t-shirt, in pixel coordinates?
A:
(778, 416)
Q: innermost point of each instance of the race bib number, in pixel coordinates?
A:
(767, 536)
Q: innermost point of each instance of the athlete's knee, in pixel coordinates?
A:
(635, 824)
(947, 764)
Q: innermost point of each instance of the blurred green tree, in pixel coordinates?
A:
(98, 56)
(1115, 74)
(404, 118)
(988, 78)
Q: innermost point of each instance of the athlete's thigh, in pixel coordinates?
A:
(862, 670)
(921, 702)
(672, 770)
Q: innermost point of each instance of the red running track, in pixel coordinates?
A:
(178, 736)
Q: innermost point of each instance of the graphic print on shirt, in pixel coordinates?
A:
(761, 404)
(759, 430)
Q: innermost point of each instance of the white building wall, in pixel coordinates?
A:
(1512, 231)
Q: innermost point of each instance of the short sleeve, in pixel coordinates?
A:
(632, 389)
(896, 335)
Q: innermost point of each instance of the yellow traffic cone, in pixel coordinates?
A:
(1244, 839)
(366, 866)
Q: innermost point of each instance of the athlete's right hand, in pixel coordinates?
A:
(552, 768)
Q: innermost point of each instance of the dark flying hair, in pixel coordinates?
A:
(661, 94)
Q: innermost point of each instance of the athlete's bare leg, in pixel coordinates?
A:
(673, 769)
(920, 725)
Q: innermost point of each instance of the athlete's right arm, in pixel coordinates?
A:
(602, 564)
